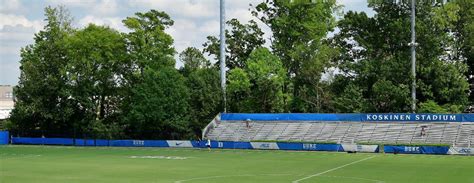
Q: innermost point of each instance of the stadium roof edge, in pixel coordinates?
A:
(355, 117)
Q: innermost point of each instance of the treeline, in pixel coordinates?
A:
(97, 82)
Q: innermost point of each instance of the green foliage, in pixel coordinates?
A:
(374, 55)
(193, 59)
(148, 43)
(238, 90)
(241, 40)
(258, 87)
(430, 107)
(351, 100)
(159, 105)
(95, 73)
(42, 101)
(299, 31)
(205, 97)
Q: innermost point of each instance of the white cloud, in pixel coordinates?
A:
(9, 5)
(12, 39)
(93, 7)
(14, 20)
(105, 7)
(113, 22)
(73, 3)
(186, 8)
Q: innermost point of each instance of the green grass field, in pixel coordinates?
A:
(116, 165)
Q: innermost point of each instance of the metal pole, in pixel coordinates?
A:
(222, 52)
(413, 57)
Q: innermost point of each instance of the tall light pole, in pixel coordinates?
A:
(413, 57)
(222, 52)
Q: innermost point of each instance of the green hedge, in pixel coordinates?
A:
(293, 141)
(403, 144)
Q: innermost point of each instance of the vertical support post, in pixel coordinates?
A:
(222, 52)
(413, 57)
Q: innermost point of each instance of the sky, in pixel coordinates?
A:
(194, 20)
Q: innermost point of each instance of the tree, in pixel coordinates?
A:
(258, 88)
(148, 43)
(42, 99)
(374, 56)
(205, 97)
(350, 100)
(95, 75)
(238, 91)
(193, 60)
(159, 106)
(461, 14)
(267, 75)
(241, 40)
(299, 29)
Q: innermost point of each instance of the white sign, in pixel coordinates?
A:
(359, 148)
(264, 145)
(179, 143)
(461, 150)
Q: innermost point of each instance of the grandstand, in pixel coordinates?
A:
(345, 129)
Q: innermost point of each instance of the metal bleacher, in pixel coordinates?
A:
(456, 134)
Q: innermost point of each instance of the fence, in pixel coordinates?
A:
(239, 145)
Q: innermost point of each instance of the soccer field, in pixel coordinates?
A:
(114, 164)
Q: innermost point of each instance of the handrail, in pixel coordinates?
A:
(211, 124)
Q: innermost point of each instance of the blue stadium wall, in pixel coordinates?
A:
(243, 145)
(376, 117)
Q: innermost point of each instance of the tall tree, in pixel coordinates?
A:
(159, 107)
(95, 75)
(203, 82)
(42, 100)
(241, 40)
(205, 97)
(259, 86)
(193, 60)
(148, 43)
(464, 31)
(375, 57)
(299, 29)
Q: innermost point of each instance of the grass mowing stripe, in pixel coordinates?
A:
(333, 169)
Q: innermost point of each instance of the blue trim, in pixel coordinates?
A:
(378, 117)
(4, 137)
(225, 145)
(417, 149)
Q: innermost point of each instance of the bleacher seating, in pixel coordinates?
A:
(453, 133)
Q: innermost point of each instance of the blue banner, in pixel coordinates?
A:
(4, 137)
(378, 117)
(42, 141)
(91, 142)
(290, 117)
(229, 145)
(139, 143)
(417, 149)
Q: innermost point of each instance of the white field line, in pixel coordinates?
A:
(330, 170)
